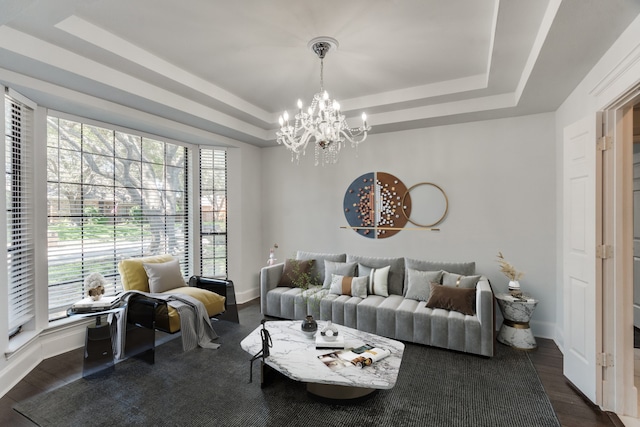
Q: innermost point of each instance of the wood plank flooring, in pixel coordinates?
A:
(572, 408)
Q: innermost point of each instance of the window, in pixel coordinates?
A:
(19, 210)
(213, 212)
(111, 195)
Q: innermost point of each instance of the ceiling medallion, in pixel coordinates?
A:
(322, 123)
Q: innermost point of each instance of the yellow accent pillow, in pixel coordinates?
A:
(133, 275)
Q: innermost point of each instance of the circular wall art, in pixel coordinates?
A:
(430, 204)
(377, 205)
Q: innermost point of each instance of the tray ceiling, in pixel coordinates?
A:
(232, 67)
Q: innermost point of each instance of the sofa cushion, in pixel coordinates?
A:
(318, 267)
(347, 285)
(419, 283)
(459, 281)
(132, 273)
(396, 272)
(378, 279)
(293, 269)
(164, 276)
(450, 298)
(339, 268)
(213, 302)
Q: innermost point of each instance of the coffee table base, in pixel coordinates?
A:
(338, 392)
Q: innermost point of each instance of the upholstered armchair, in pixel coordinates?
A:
(161, 274)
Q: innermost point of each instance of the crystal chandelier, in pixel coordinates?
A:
(322, 123)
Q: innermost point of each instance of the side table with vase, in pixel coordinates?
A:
(517, 312)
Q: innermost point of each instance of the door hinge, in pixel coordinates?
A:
(604, 251)
(604, 143)
(604, 359)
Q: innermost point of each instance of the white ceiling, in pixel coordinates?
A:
(231, 67)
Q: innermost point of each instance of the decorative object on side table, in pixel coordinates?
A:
(512, 274)
(517, 312)
(95, 283)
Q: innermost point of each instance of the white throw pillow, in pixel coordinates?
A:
(378, 280)
(164, 276)
(346, 285)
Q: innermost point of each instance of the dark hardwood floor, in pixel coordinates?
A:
(572, 408)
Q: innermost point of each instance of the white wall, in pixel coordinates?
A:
(499, 176)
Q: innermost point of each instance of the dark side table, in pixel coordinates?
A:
(98, 345)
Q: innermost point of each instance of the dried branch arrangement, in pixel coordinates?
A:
(509, 270)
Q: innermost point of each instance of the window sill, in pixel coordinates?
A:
(19, 341)
(23, 339)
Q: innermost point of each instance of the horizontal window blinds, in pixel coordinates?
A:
(111, 195)
(213, 212)
(19, 211)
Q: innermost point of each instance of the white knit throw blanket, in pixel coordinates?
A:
(195, 325)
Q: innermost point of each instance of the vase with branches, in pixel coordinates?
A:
(512, 274)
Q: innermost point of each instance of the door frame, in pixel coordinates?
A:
(619, 392)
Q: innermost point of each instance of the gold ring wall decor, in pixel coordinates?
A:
(442, 211)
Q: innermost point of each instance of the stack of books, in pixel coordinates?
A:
(88, 305)
(324, 343)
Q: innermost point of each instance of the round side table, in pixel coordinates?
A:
(515, 330)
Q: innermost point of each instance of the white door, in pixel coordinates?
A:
(582, 272)
(636, 235)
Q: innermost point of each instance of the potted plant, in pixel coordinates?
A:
(309, 284)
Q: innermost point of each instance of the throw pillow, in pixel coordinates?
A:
(378, 283)
(164, 276)
(419, 285)
(458, 281)
(449, 298)
(294, 272)
(345, 285)
(340, 268)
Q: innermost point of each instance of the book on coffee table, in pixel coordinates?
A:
(335, 344)
(362, 356)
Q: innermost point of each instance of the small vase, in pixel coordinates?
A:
(309, 326)
(329, 332)
(514, 288)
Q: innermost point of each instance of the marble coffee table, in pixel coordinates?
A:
(295, 355)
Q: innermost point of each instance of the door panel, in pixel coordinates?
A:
(581, 271)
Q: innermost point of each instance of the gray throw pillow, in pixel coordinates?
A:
(459, 281)
(164, 276)
(339, 268)
(419, 286)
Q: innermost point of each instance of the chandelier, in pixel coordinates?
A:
(322, 123)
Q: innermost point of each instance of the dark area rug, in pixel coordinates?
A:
(210, 387)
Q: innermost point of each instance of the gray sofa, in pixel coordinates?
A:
(393, 316)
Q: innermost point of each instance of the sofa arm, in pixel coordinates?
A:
(269, 278)
(485, 312)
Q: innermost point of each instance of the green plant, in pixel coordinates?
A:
(310, 285)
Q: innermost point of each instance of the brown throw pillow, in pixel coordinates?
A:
(293, 269)
(449, 298)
